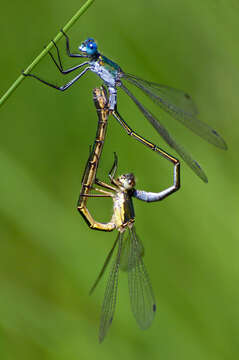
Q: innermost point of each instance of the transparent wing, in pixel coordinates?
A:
(109, 302)
(107, 260)
(179, 105)
(193, 164)
(140, 290)
(125, 253)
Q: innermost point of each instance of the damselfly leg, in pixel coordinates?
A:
(59, 66)
(63, 87)
(69, 53)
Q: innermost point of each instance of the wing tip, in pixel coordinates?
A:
(199, 171)
(220, 142)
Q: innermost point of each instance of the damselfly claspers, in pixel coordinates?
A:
(130, 249)
(175, 102)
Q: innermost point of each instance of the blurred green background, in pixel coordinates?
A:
(49, 258)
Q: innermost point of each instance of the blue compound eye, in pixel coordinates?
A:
(91, 47)
(88, 47)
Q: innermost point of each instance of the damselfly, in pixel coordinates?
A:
(130, 249)
(175, 102)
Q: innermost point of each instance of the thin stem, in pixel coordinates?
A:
(45, 51)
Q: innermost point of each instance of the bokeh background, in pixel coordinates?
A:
(49, 258)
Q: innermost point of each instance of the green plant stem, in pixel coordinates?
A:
(45, 51)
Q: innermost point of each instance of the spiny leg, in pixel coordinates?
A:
(105, 185)
(68, 47)
(63, 87)
(111, 175)
(104, 193)
(113, 169)
(58, 56)
(60, 67)
(96, 195)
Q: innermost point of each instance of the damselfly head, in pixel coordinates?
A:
(89, 47)
(127, 181)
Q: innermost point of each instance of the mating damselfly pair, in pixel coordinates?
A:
(129, 256)
(122, 190)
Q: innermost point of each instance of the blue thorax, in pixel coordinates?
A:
(106, 69)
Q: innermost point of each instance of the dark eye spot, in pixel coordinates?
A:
(214, 132)
(197, 164)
